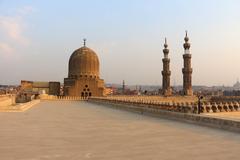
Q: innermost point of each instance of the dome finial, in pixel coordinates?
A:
(84, 42)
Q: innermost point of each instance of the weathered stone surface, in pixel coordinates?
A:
(192, 118)
(64, 130)
(7, 100)
(83, 74)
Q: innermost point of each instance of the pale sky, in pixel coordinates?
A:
(38, 37)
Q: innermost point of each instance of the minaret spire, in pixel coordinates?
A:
(165, 50)
(123, 87)
(186, 45)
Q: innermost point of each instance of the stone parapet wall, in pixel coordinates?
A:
(7, 100)
(180, 106)
(170, 99)
(146, 109)
(20, 107)
(68, 98)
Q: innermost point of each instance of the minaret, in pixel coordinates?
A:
(167, 91)
(187, 70)
(123, 87)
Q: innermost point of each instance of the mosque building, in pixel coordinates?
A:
(83, 74)
(84, 81)
(236, 86)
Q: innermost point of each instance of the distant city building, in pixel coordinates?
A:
(236, 86)
(108, 91)
(83, 74)
(123, 87)
(36, 87)
(9, 89)
(232, 93)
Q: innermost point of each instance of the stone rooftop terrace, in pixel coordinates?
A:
(78, 130)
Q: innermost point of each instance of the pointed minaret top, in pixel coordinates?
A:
(165, 50)
(84, 42)
(186, 45)
(186, 37)
(165, 43)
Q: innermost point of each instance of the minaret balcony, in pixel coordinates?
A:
(187, 56)
(187, 70)
(166, 73)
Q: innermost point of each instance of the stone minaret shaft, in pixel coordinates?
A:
(123, 87)
(166, 72)
(187, 70)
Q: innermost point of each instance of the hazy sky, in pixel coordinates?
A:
(38, 37)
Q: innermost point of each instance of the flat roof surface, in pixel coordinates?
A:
(65, 130)
(225, 115)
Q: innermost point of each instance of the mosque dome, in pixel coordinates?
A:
(237, 85)
(83, 63)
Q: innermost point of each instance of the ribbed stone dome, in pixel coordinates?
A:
(83, 63)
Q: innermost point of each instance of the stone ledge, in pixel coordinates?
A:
(203, 120)
(20, 107)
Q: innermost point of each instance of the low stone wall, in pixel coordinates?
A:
(20, 107)
(203, 120)
(26, 106)
(7, 100)
(184, 107)
(64, 98)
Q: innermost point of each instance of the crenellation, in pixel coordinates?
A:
(226, 107)
(220, 107)
(203, 108)
(215, 107)
(231, 106)
(236, 106)
(209, 107)
(174, 105)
